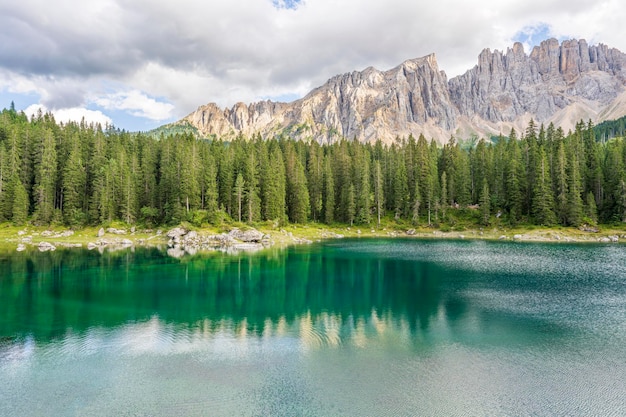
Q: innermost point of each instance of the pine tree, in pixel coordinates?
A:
(351, 206)
(45, 186)
(574, 191)
(315, 177)
(561, 189)
(543, 201)
(485, 203)
(20, 201)
(416, 202)
(253, 201)
(209, 184)
(274, 187)
(329, 192)
(362, 180)
(379, 195)
(591, 211)
(297, 191)
(400, 189)
(444, 195)
(238, 192)
(73, 186)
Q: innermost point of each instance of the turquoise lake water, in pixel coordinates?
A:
(339, 328)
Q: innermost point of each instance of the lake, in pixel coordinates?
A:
(339, 328)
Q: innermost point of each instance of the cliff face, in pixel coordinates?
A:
(556, 82)
(503, 87)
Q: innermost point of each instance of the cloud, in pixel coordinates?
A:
(136, 103)
(189, 53)
(75, 114)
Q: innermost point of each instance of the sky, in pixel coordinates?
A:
(138, 64)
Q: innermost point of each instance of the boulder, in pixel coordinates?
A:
(176, 232)
(46, 246)
(251, 235)
(101, 232)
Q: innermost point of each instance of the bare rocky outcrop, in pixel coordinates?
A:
(182, 241)
(559, 83)
(408, 99)
(505, 86)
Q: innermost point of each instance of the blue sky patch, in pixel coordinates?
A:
(286, 4)
(532, 36)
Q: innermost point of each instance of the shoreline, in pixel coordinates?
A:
(183, 240)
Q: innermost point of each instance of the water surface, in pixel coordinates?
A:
(347, 327)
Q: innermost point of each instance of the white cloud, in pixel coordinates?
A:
(136, 103)
(75, 114)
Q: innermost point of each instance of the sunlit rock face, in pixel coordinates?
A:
(559, 83)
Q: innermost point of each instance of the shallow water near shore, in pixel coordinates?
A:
(342, 327)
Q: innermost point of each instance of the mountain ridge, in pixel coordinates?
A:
(560, 83)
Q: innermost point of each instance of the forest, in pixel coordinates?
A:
(79, 174)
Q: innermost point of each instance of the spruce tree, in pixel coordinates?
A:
(20, 201)
(574, 191)
(379, 195)
(543, 201)
(238, 192)
(329, 192)
(73, 186)
(485, 203)
(45, 185)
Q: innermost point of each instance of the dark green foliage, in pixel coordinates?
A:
(80, 174)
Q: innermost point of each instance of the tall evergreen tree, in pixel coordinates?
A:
(238, 192)
(379, 195)
(73, 186)
(329, 192)
(485, 203)
(543, 201)
(45, 185)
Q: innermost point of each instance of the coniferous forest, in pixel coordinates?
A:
(78, 174)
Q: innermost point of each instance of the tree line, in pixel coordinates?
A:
(80, 174)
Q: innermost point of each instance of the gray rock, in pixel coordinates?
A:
(517, 237)
(46, 246)
(21, 247)
(176, 232)
(411, 232)
(101, 232)
(251, 235)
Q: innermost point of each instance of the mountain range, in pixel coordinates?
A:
(557, 82)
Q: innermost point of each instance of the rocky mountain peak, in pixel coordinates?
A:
(560, 82)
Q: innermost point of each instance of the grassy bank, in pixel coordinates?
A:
(283, 235)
